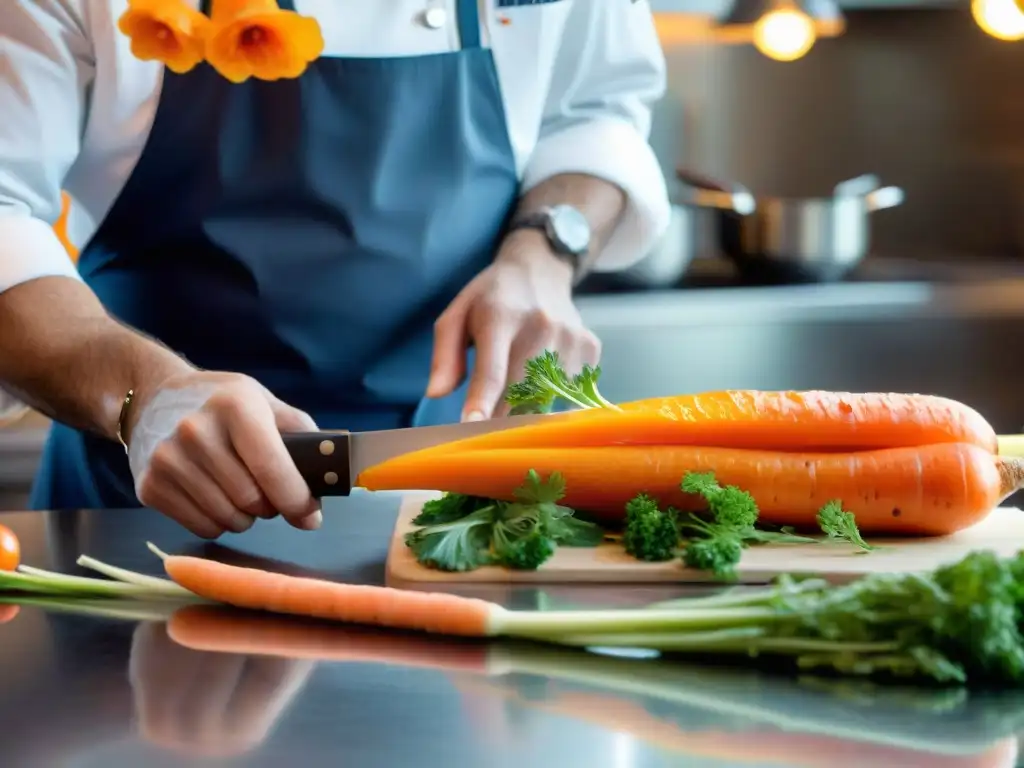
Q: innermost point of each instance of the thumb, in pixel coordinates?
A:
(289, 419)
(448, 366)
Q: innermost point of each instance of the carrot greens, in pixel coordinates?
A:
(840, 525)
(650, 533)
(545, 383)
(462, 533)
(958, 624)
(712, 542)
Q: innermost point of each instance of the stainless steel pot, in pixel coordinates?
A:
(774, 239)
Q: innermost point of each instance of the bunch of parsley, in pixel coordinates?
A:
(462, 533)
(715, 541)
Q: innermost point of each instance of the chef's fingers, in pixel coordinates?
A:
(251, 425)
(211, 499)
(209, 448)
(448, 366)
(160, 490)
(290, 419)
(531, 342)
(577, 347)
(493, 344)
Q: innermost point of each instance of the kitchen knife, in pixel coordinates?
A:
(330, 461)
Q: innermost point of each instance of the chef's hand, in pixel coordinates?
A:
(512, 311)
(210, 704)
(205, 449)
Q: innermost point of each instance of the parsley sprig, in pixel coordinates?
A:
(714, 540)
(545, 382)
(462, 533)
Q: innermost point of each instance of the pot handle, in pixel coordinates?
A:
(713, 193)
(739, 202)
(884, 197)
(857, 187)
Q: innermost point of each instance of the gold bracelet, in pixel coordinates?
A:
(120, 419)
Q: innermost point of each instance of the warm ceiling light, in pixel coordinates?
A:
(783, 30)
(1002, 19)
(785, 34)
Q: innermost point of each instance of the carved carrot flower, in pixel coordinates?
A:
(168, 31)
(255, 38)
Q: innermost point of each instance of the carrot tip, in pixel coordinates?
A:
(156, 550)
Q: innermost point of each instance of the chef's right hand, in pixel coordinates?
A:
(205, 449)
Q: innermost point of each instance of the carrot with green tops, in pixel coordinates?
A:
(931, 490)
(774, 421)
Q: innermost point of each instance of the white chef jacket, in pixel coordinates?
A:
(578, 78)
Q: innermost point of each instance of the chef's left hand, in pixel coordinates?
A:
(512, 311)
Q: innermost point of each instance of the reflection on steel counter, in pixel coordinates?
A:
(205, 705)
(732, 714)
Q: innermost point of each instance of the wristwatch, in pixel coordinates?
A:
(567, 231)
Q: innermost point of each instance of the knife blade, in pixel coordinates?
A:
(330, 461)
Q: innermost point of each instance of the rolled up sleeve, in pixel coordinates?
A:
(46, 68)
(609, 71)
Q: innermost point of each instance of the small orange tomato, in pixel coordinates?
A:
(10, 549)
(8, 613)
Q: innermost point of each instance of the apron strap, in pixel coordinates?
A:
(469, 23)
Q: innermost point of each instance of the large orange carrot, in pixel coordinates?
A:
(377, 606)
(932, 490)
(780, 421)
(219, 630)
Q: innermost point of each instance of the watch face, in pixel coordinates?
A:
(571, 229)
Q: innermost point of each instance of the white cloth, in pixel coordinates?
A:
(578, 79)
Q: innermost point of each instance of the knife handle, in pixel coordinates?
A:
(322, 459)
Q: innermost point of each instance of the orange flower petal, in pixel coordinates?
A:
(255, 38)
(225, 11)
(168, 31)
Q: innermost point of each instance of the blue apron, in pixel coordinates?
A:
(305, 232)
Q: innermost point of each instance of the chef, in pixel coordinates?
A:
(376, 238)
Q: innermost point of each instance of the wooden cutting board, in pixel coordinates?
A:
(1002, 531)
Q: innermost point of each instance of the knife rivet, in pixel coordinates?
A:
(327, 447)
(331, 478)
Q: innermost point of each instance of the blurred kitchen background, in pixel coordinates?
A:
(770, 276)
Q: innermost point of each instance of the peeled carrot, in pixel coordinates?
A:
(218, 630)
(932, 490)
(378, 606)
(779, 421)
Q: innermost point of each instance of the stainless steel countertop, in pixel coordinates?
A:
(85, 692)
